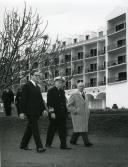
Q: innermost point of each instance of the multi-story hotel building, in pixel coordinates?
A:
(100, 60)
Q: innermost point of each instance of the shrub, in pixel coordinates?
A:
(114, 106)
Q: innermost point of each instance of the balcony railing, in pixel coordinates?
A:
(65, 61)
(116, 46)
(94, 84)
(90, 70)
(78, 72)
(101, 67)
(116, 79)
(89, 55)
(77, 58)
(101, 52)
(115, 29)
(100, 83)
(114, 63)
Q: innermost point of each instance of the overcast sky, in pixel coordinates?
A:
(68, 17)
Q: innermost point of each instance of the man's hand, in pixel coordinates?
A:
(51, 109)
(45, 114)
(22, 116)
(53, 116)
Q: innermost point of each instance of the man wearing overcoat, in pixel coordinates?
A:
(79, 108)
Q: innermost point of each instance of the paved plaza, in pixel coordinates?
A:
(108, 150)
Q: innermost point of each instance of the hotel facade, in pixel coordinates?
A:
(100, 60)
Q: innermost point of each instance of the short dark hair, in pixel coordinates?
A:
(79, 81)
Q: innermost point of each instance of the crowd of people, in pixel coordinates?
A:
(30, 105)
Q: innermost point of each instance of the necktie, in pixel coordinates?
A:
(83, 95)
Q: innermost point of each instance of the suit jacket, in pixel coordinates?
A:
(31, 103)
(57, 100)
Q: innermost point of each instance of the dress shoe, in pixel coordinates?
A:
(73, 143)
(88, 145)
(25, 148)
(49, 146)
(65, 148)
(40, 150)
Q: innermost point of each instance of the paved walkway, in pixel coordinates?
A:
(107, 151)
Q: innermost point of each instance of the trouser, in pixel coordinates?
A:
(75, 136)
(32, 129)
(7, 108)
(55, 125)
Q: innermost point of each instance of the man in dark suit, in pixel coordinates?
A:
(31, 106)
(56, 102)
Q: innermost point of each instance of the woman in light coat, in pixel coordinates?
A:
(78, 107)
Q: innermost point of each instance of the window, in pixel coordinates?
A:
(121, 42)
(68, 71)
(46, 63)
(64, 43)
(101, 34)
(56, 73)
(93, 81)
(75, 40)
(93, 66)
(87, 37)
(120, 26)
(122, 76)
(93, 52)
(67, 58)
(80, 69)
(56, 60)
(80, 55)
(121, 59)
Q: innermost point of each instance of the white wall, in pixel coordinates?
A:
(117, 93)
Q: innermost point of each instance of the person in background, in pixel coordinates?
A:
(56, 102)
(32, 106)
(8, 100)
(18, 99)
(78, 106)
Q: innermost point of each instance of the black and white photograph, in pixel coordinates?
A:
(63, 83)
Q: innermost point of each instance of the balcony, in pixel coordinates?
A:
(78, 72)
(77, 58)
(90, 70)
(116, 29)
(62, 61)
(94, 84)
(115, 63)
(101, 83)
(101, 52)
(101, 67)
(117, 79)
(117, 45)
(90, 55)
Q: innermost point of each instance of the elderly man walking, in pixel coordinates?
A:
(78, 106)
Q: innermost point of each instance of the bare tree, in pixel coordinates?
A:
(21, 43)
(24, 46)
